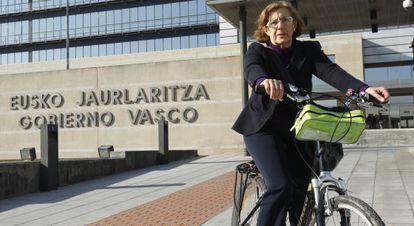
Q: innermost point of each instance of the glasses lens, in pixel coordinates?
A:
(286, 20)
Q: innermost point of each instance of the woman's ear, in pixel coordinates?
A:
(265, 30)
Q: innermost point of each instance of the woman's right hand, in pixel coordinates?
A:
(274, 88)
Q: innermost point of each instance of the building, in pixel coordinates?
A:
(132, 63)
(36, 30)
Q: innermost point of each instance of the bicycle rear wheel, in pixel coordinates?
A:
(348, 210)
(246, 205)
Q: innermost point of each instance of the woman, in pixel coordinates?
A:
(279, 58)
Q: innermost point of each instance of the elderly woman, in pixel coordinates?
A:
(275, 59)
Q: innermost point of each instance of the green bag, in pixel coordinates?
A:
(337, 124)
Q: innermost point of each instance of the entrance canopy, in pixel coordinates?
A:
(324, 15)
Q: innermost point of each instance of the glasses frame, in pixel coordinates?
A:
(283, 20)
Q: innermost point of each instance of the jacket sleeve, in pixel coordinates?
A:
(254, 64)
(331, 73)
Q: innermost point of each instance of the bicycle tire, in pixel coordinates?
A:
(243, 205)
(351, 210)
(308, 209)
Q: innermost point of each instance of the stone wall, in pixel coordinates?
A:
(117, 100)
(121, 104)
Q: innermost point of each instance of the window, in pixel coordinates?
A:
(202, 40)
(110, 21)
(79, 52)
(18, 58)
(133, 19)
(79, 25)
(184, 13)
(94, 50)
(56, 27)
(102, 50)
(94, 23)
(134, 47)
(72, 53)
(167, 15)
(150, 17)
(49, 55)
(126, 48)
(118, 48)
(159, 44)
(150, 45)
(391, 73)
(185, 42)
(110, 50)
(25, 57)
(102, 22)
(211, 40)
(193, 41)
(167, 43)
(56, 54)
(72, 24)
(118, 20)
(10, 58)
(175, 12)
(87, 51)
(42, 55)
(158, 16)
(176, 43)
(125, 20)
(142, 18)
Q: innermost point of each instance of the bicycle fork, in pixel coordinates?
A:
(320, 219)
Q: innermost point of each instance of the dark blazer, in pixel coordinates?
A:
(307, 59)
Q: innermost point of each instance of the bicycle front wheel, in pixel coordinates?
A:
(348, 210)
(247, 197)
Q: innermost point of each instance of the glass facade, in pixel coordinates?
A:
(399, 113)
(136, 20)
(389, 73)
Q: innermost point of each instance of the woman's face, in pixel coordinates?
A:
(280, 28)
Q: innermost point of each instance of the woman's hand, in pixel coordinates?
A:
(274, 88)
(380, 93)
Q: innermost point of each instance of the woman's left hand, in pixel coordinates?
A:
(380, 93)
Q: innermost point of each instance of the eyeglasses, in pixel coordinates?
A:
(284, 20)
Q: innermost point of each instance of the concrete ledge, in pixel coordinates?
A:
(22, 177)
(385, 138)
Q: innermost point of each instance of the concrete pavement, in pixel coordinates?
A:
(384, 178)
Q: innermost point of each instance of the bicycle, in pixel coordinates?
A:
(326, 201)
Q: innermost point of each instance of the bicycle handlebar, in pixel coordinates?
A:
(300, 95)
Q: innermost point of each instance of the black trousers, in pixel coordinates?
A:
(285, 174)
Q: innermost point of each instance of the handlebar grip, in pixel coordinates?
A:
(260, 89)
(374, 101)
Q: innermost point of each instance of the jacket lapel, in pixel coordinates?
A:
(298, 57)
(277, 66)
(296, 62)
